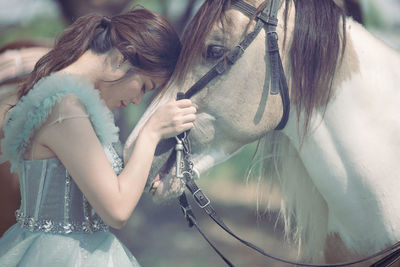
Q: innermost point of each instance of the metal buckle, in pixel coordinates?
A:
(240, 47)
(200, 198)
(177, 138)
(272, 39)
(185, 210)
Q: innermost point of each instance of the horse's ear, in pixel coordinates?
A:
(340, 3)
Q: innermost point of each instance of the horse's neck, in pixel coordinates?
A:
(364, 112)
(351, 152)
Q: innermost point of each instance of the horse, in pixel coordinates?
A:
(335, 161)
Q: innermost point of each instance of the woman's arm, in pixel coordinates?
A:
(75, 143)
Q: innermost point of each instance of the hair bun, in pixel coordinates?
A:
(105, 21)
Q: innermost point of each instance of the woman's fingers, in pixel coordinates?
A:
(188, 110)
(185, 127)
(173, 118)
(184, 103)
(189, 118)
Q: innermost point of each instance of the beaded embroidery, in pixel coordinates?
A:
(51, 226)
(116, 161)
(91, 222)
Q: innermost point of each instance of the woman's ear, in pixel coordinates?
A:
(116, 59)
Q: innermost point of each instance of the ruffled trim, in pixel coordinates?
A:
(34, 109)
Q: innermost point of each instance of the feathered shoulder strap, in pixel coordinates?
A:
(34, 109)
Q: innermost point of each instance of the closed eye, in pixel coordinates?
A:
(215, 51)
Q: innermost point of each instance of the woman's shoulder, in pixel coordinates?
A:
(73, 94)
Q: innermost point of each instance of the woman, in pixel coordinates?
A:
(60, 136)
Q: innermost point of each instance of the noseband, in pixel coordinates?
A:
(184, 166)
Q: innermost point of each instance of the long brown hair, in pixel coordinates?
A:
(144, 38)
(314, 51)
(317, 49)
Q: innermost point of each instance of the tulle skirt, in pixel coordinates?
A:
(22, 248)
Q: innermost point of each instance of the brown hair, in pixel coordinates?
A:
(144, 38)
(314, 52)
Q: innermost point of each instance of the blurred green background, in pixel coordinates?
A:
(158, 235)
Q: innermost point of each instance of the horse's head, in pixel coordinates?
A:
(235, 108)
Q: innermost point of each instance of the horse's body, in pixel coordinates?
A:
(341, 178)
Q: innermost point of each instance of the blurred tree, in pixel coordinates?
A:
(181, 21)
(72, 9)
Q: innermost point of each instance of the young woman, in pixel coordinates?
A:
(60, 139)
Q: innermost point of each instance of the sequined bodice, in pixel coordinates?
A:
(52, 202)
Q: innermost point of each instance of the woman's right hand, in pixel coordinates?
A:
(171, 119)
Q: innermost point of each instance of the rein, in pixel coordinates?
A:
(184, 166)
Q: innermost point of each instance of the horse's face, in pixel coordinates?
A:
(233, 109)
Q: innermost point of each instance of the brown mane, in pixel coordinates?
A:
(314, 51)
(195, 34)
(315, 54)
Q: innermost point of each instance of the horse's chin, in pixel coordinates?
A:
(166, 186)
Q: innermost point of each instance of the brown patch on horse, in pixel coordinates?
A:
(348, 67)
(335, 252)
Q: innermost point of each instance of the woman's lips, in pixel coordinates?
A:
(122, 104)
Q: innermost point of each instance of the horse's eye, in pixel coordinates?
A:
(215, 51)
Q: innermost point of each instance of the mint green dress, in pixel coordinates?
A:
(56, 225)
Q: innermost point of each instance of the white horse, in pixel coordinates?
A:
(337, 159)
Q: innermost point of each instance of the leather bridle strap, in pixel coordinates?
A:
(268, 17)
(230, 59)
(189, 215)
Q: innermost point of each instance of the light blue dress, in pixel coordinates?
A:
(56, 225)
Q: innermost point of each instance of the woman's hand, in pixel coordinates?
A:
(171, 119)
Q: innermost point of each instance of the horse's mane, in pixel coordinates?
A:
(314, 50)
(195, 34)
(315, 54)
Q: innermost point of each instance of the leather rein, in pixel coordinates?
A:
(267, 19)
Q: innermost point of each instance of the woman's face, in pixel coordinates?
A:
(118, 92)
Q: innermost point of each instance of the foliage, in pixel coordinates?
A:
(373, 16)
(40, 27)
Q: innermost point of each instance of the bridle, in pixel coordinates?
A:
(267, 19)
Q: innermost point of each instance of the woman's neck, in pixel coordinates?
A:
(89, 65)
